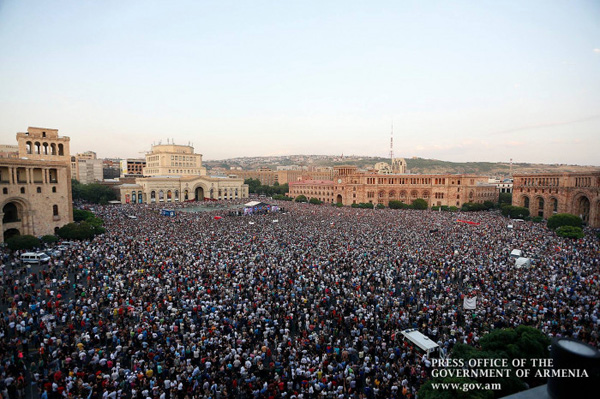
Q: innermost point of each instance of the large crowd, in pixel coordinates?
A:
(303, 304)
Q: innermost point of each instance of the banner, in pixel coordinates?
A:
(468, 222)
(470, 303)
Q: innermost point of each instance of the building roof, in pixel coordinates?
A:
(313, 182)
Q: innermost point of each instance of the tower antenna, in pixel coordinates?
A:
(392, 144)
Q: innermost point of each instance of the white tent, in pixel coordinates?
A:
(516, 253)
(523, 262)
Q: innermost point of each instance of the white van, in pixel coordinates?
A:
(422, 342)
(35, 257)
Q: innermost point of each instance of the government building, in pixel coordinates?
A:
(545, 194)
(174, 173)
(36, 194)
(351, 186)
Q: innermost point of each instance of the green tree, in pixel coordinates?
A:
(81, 215)
(537, 219)
(564, 219)
(253, 185)
(95, 193)
(394, 204)
(419, 203)
(23, 242)
(504, 199)
(515, 211)
(49, 239)
(315, 201)
(380, 206)
(472, 207)
(81, 231)
(301, 198)
(570, 232)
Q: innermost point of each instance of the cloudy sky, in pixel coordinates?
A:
(461, 80)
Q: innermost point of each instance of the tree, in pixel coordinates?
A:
(253, 185)
(515, 211)
(49, 239)
(85, 230)
(537, 219)
(96, 193)
(23, 242)
(472, 207)
(394, 204)
(570, 232)
(301, 198)
(380, 206)
(504, 199)
(81, 215)
(315, 201)
(419, 203)
(564, 219)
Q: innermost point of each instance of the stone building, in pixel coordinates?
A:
(36, 194)
(174, 173)
(350, 186)
(544, 194)
(86, 168)
(269, 177)
(132, 167)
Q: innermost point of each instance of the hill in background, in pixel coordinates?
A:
(414, 165)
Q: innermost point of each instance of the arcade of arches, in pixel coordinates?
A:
(149, 190)
(547, 194)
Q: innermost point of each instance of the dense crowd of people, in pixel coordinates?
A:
(306, 304)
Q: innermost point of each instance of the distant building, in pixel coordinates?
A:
(545, 194)
(174, 173)
(132, 167)
(36, 194)
(350, 186)
(270, 177)
(86, 168)
(111, 169)
(9, 151)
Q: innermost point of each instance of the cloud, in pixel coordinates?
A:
(544, 125)
(597, 50)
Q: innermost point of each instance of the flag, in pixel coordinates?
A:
(470, 303)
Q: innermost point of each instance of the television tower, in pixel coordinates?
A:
(392, 145)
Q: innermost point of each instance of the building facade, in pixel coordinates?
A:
(269, 177)
(173, 160)
(132, 167)
(86, 168)
(36, 196)
(350, 186)
(545, 194)
(183, 179)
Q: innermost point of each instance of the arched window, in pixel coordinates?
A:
(169, 195)
(161, 195)
(152, 196)
(39, 190)
(52, 149)
(22, 190)
(139, 197)
(45, 148)
(53, 189)
(28, 147)
(54, 210)
(61, 150)
(134, 197)
(37, 148)
(176, 195)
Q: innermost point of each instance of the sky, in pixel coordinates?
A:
(459, 80)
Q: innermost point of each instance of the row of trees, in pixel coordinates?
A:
(256, 187)
(94, 192)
